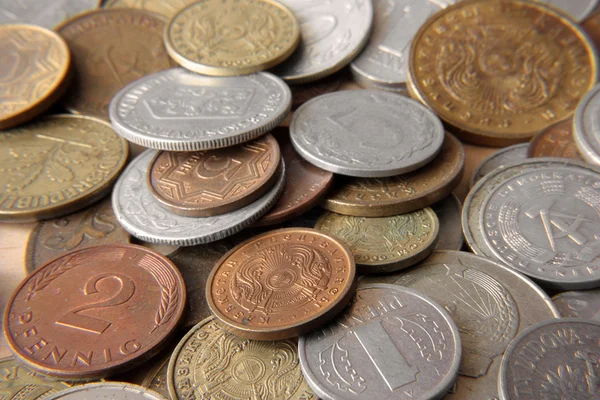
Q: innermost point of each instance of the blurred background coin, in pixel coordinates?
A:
(107, 390)
(20, 382)
(581, 304)
(555, 141)
(579, 10)
(46, 13)
(507, 156)
(168, 8)
(585, 126)
(448, 212)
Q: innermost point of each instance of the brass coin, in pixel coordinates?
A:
(214, 182)
(34, 72)
(232, 37)
(168, 8)
(382, 197)
(281, 284)
(500, 71)
(555, 141)
(384, 244)
(111, 48)
(57, 166)
(17, 382)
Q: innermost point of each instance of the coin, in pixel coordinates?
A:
(212, 363)
(555, 141)
(302, 93)
(46, 13)
(481, 80)
(333, 33)
(168, 8)
(390, 343)
(107, 390)
(281, 284)
(576, 9)
(156, 378)
(489, 303)
(400, 194)
(179, 110)
(448, 212)
(229, 37)
(581, 304)
(94, 311)
(20, 382)
(57, 165)
(110, 48)
(306, 185)
(553, 359)
(143, 217)
(332, 132)
(507, 156)
(214, 182)
(34, 71)
(93, 226)
(591, 26)
(585, 126)
(384, 244)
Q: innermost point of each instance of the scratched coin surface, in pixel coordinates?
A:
(384, 244)
(586, 127)
(229, 37)
(448, 212)
(57, 165)
(281, 284)
(107, 390)
(490, 304)
(110, 48)
(366, 133)
(580, 304)
(555, 141)
(501, 71)
(507, 156)
(332, 34)
(33, 73)
(380, 197)
(556, 359)
(95, 311)
(46, 13)
(18, 382)
(180, 110)
(576, 9)
(168, 8)
(390, 343)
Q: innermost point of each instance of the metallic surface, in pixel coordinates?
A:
(156, 377)
(17, 382)
(448, 212)
(576, 9)
(555, 141)
(585, 126)
(581, 304)
(302, 93)
(107, 390)
(46, 13)
(591, 26)
(507, 156)
(168, 8)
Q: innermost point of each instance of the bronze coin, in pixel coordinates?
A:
(591, 26)
(305, 186)
(95, 311)
(214, 182)
(401, 194)
(555, 141)
(281, 284)
(110, 48)
(304, 92)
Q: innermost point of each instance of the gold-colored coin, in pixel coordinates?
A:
(384, 244)
(34, 72)
(56, 166)
(232, 37)
(18, 382)
(499, 71)
(168, 8)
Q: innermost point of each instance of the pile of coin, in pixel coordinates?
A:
(246, 253)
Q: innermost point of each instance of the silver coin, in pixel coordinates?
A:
(514, 154)
(384, 61)
(332, 33)
(581, 304)
(586, 126)
(544, 223)
(577, 9)
(390, 343)
(106, 390)
(556, 359)
(488, 302)
(366, 133)
(180, 110)
(448, 212)
(143, 216)
(46, 13)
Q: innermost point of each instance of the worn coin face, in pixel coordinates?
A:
(390, 343)
(580, 304)
(366, 133)
(480, 78)
(281, 284)
(400, 194)
(553, 359)
(585, 126)
(33, 73)
(92, 312)
(46, 13)
(110, 48)
(22, 383)
(489, 303)
(510, 155)
(448, 212)
(179, 110)
(576, 9)
(555, 141)
(168, 8)
(56, 166)
(384, 244)
(333, 33)
(302, 93)
(107, 390)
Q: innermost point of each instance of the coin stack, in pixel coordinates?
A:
(246, 253)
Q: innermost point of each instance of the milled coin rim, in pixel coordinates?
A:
(116, 385)
(495, 154)
(582, 141)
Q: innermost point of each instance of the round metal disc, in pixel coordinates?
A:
(507, 156)
(585, 126)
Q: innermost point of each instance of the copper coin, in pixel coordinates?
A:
(591, 26)
(555, 141)
(281, 284)
(95, 311)
(214, 182)
(305, 186)
(382, 197)
(304, 92)
(110, 48)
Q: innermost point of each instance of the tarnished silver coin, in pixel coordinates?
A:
(143, 216)
(46, 13)
(556, 359)
(107, 390)
(383, 63)
(576, 9)
(510, 155)
(390, 343)
(580, 304)
(366, 133)
(332, 33)
(448, 212)
(586, 126)
(179, 110)
(490, 304)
